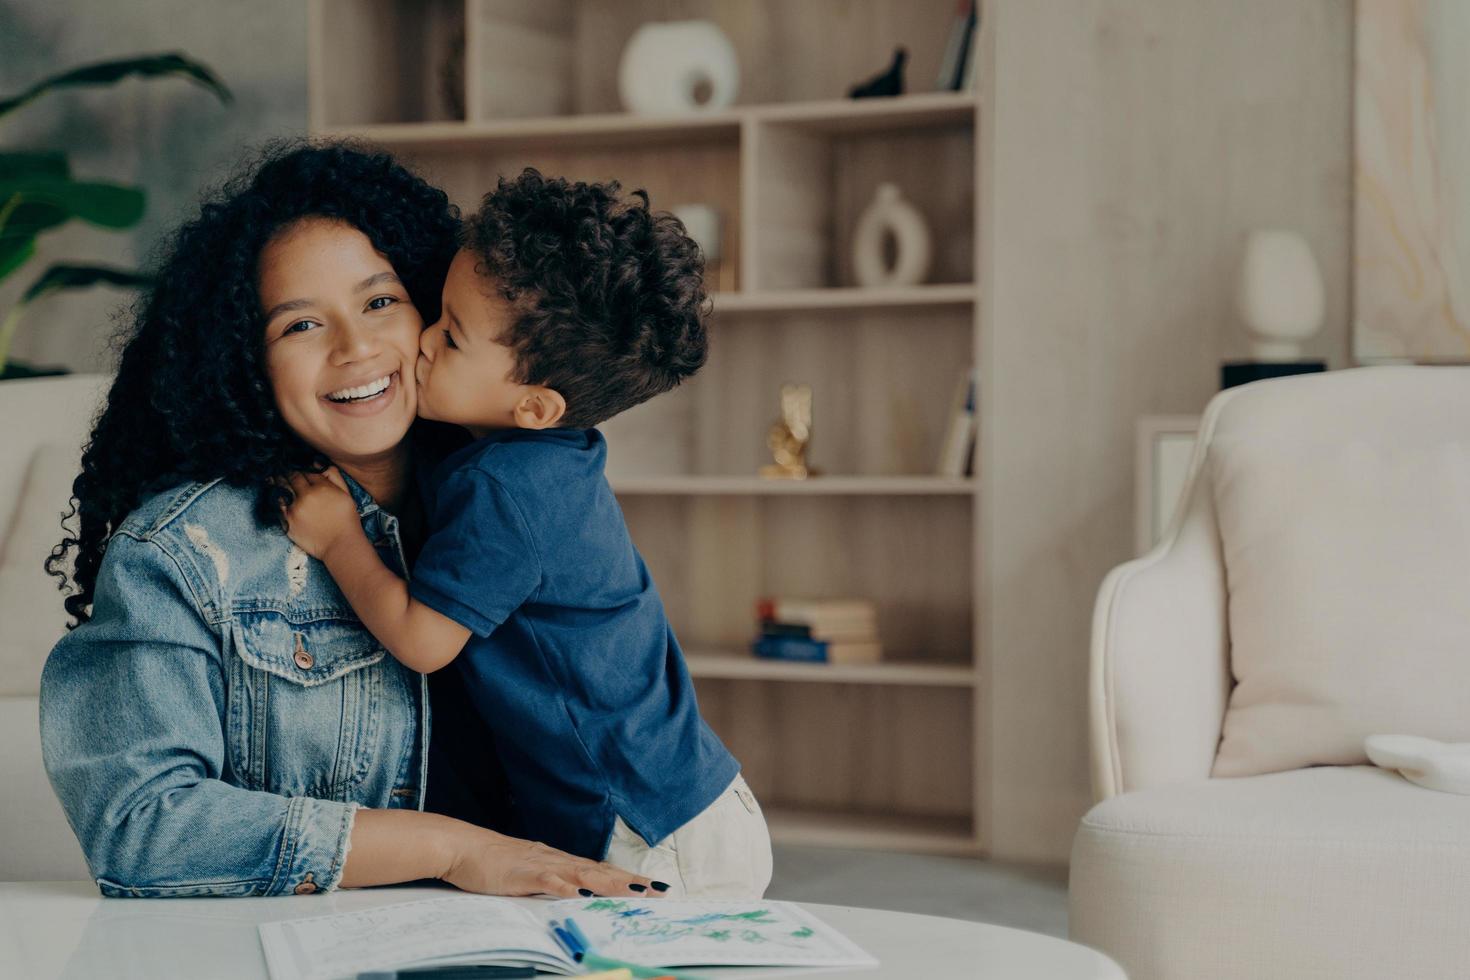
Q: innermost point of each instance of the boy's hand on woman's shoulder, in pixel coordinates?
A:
(322, 514)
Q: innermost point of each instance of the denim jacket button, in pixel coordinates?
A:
(303, 659)
(306, 887)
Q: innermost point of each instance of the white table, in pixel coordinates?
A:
(65, 929)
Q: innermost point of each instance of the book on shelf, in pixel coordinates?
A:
(853, 633)
(956, 65)
(829, 618)
(969, 77)
(839, 631)
(957, 450)
(806, 650)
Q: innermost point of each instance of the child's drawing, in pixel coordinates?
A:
(707, 933)
(644, 925)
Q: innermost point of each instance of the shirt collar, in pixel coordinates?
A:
(365, 503)
(575, 437)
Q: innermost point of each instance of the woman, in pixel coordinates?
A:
(218, 722)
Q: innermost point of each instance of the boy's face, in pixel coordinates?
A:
(465, 375)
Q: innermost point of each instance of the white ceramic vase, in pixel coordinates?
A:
(1280, 296)
(701, 223)
(666, 66)
(889, 214)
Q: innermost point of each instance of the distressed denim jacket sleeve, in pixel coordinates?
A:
(133, 709)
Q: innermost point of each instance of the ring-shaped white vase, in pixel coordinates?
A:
(665, 64)
(890, 214)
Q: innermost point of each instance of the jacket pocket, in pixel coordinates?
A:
(308, 652)
(304, 704)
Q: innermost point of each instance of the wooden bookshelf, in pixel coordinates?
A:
(882, 755)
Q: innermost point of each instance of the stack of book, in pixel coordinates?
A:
(838, 631)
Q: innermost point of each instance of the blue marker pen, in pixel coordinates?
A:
(568, 942)
(578, 934)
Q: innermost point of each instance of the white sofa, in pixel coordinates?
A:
(43, 424)
(1335, 871)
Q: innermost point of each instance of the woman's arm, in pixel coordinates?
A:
(390, 846)
(133, 736)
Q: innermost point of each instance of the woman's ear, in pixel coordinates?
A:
(539, 408)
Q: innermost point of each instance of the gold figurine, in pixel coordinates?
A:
(789, 437)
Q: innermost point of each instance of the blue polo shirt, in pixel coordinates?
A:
(572, 664)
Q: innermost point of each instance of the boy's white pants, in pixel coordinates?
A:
(724, 852)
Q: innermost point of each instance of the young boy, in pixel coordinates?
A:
(565, 306)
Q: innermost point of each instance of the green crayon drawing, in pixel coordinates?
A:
(643, 924)
(759, 916)
(606, 905)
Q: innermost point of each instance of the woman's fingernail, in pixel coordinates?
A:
(660, 886)
(585, 892)
(637, 888)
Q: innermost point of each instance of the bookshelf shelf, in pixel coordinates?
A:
(607, 130)
(821, 486)
(919, 110)
(592, 132)
(843, 299)
(829, 828)
(882, 755)
(734, 665)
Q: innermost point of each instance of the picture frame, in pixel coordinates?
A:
(1163, 447)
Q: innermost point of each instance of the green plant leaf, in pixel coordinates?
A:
(15, 369)
(108, 72)
(62, 277)
(107, 205)
(42, 163)
(14, 253)
(80, 277)
(29, 218)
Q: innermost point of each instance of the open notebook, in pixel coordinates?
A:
(476, 929)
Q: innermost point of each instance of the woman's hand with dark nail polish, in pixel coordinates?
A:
(660, 886)
(637, 888)
(585, 892)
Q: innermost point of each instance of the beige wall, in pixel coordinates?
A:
(1132, 145)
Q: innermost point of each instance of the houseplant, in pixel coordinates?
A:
(39, 193)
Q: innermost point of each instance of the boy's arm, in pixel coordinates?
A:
(417, 636)
(322, 520)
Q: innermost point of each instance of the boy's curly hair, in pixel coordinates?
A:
(609, 296)
(191, 400)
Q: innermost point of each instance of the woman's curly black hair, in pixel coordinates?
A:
(191, 400)
(609, 298)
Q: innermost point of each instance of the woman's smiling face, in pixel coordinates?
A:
(341, 339)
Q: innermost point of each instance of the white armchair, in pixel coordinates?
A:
(1335, 872)
(43, 423)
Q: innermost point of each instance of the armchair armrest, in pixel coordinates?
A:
(1160, 663)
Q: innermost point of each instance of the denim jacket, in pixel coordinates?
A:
(213, 728)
